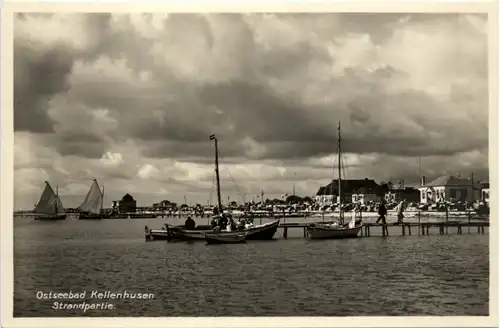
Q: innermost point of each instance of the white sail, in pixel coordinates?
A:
(49, 202)
(93, 201)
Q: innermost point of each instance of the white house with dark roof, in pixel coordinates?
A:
(485, 192)
(448, 188)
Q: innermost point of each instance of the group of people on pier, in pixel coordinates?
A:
(382, 211)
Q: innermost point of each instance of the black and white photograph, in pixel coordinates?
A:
(269, 163)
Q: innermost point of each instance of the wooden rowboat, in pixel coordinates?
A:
(225, 237)
(327, 231)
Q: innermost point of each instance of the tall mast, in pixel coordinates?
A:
(212, 137)
(340, 178)
(102, 199)
(473, 198)
(419, 174)
(57, 196)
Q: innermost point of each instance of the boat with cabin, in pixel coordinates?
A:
(336, 229)
(49, 207)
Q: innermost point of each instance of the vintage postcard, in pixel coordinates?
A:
(249, 164)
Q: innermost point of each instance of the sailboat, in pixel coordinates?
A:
(258, 232)
(91, 207)
(338, 229)
(49, 207)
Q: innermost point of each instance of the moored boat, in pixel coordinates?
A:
(49, 207)
(332, 231)
(259, 232)
(225, 237)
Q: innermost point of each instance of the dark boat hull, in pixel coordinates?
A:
(51, 217)
(261, 232)
(212, 241)
(178, 233)
(264, 232)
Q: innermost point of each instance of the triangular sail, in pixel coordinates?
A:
(93, 201)
(49, 202)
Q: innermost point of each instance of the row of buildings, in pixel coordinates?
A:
(443, 189)
(446, 188)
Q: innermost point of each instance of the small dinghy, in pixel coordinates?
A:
(332, 231)
(225, 237)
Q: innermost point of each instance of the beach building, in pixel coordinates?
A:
(353, 190)
(127, 204)
(409, 194)
(485, 192)
(397, 192)
(448, 188)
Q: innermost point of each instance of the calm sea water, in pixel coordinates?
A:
(412, 275)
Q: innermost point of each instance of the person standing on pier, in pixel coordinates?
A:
(382, 212)
(399, 210)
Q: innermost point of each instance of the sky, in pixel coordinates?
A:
(132, 99)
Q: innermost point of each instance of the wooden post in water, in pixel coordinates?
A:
(418, 213)
(468, 212)
(385, 230)
(409, 229)
(446, 208)
(403, 229)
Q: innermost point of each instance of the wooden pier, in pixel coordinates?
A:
(423, 228)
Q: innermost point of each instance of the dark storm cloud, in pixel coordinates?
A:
(41, 72)
(260, 113)
(37, 77)
(78, 144)
(188, 111)
(81, 148)
(290, 130)
(144, 92)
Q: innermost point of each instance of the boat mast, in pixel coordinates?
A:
(340, 178)
(57, 197)
(212, 137)
(102, 199)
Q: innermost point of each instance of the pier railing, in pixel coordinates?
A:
(420, 228)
